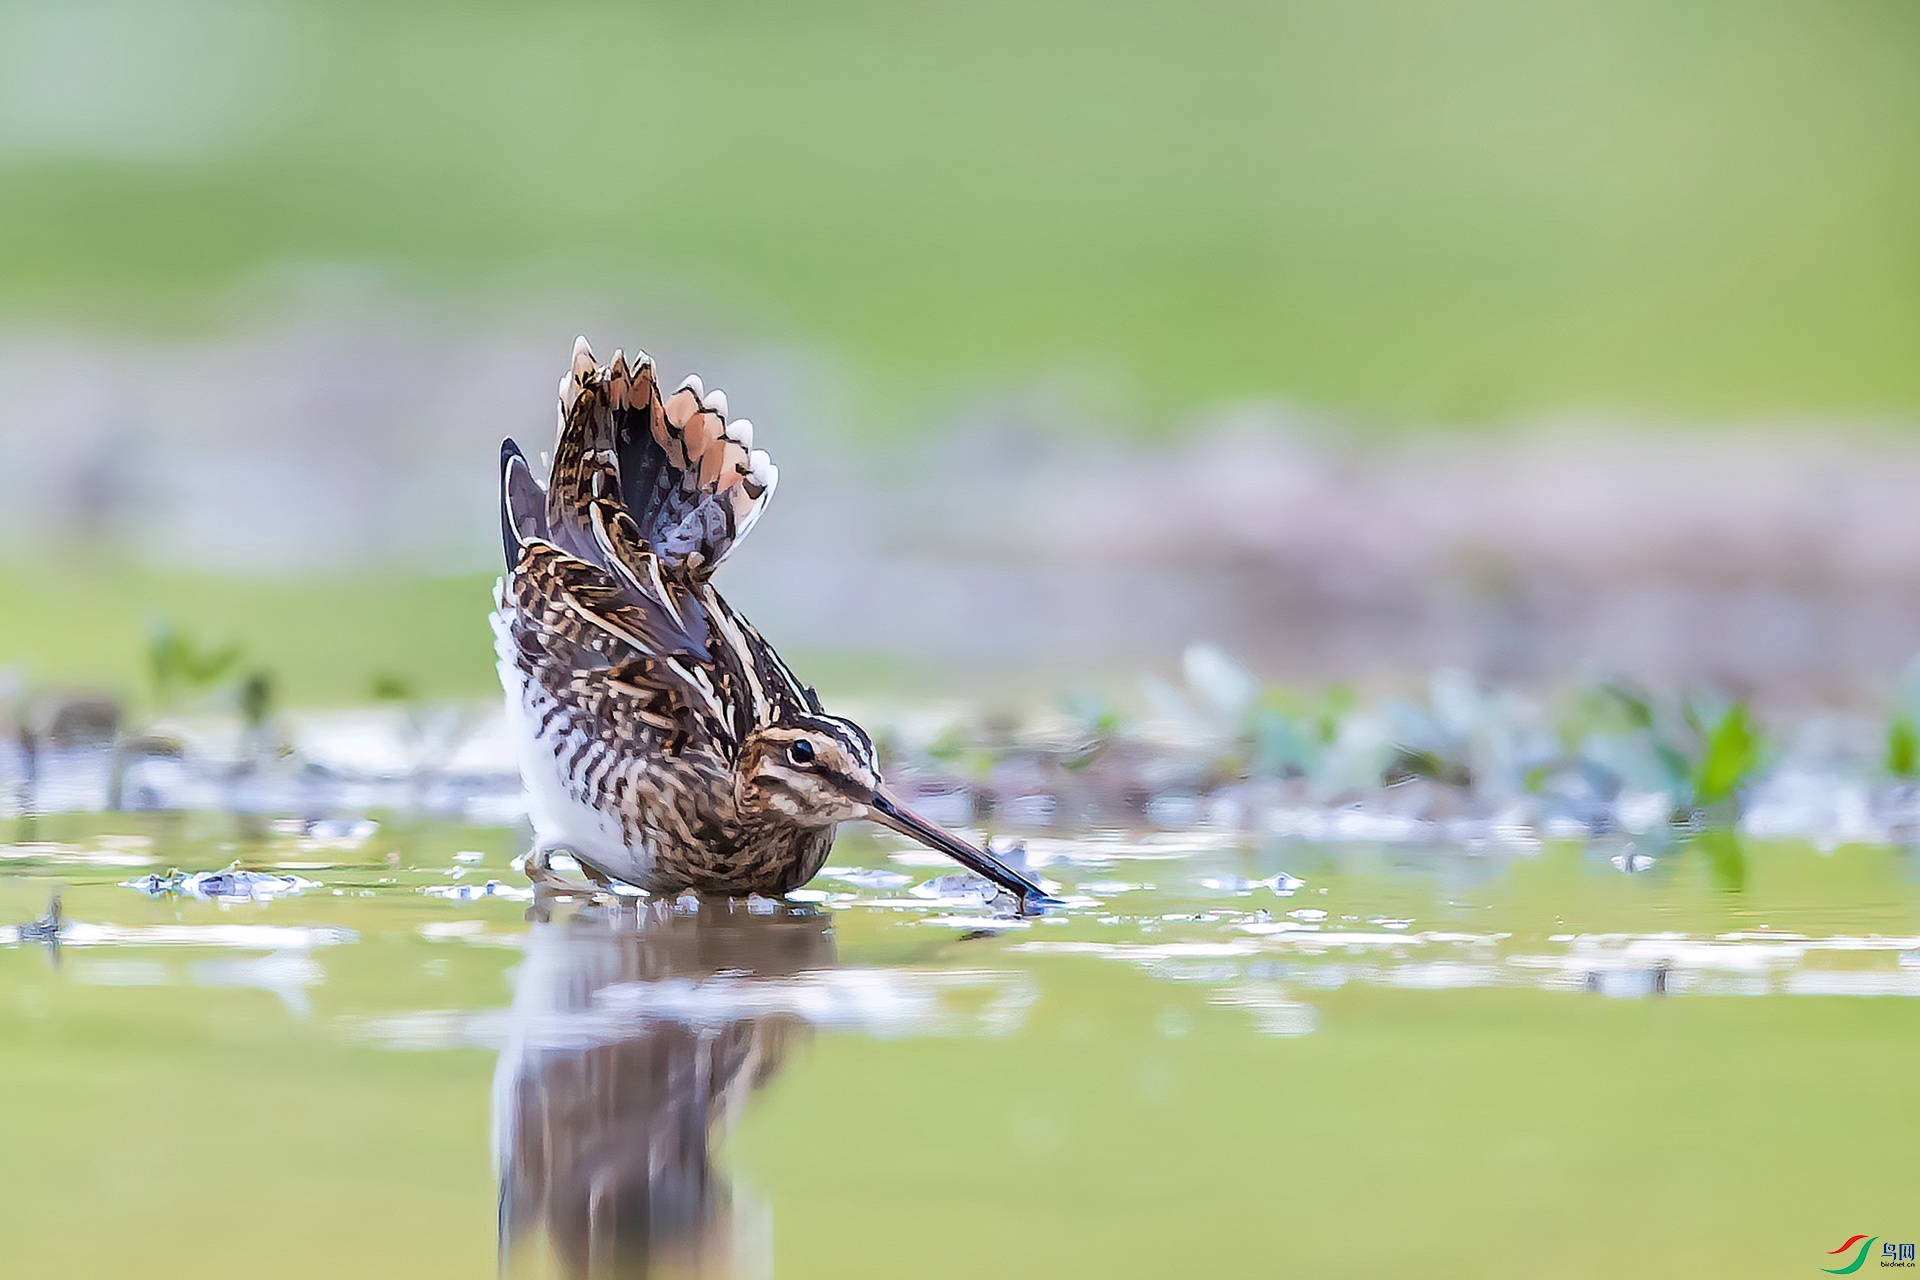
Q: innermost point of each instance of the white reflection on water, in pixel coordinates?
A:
(867, 877)
(287, 975)
(1440, 975)
(263, 937)
(1275, 1012)
(1280, 958)
(288, 972)
(1854, 982)
(107, 852)
(475, 892)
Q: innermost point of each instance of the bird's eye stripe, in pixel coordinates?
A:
(810, 781)
(774, 782)
(838, 779)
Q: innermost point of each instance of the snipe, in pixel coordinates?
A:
(663, 742)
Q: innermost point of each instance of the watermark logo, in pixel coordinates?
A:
(1892, 1254)
(1857, 1246)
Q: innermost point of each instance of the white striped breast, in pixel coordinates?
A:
(561, 819)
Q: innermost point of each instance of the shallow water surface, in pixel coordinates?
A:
(355, 1049)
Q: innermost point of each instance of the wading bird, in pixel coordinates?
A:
(663, 743)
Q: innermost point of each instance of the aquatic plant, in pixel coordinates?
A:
(256, 699)
(1732, 757)
(1724, 854)
(956, 750)
(1289, 732)
(1099, 724)
(1700, 753)
(181, 666)
(1902, 754)
(1902, 758)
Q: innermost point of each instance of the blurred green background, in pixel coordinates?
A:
(1419, 217)
(1446, 212)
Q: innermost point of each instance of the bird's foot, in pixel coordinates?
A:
(550, 882)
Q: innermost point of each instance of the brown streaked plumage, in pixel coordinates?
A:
(662, 741)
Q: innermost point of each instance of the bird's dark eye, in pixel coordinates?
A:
(801, 752)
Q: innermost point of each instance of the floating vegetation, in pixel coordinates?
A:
(235, 884)
(1462, 761)
(475, 892)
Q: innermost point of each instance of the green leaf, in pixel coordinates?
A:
(1903, 747)
(1416, 762)
(179, 666)
(947, 745)
(256, 699)
(1726, 858)
(1731, 759)
(1338, 702)
(388, 687)
(1638, 709)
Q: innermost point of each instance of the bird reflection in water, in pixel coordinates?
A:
(639, 1033)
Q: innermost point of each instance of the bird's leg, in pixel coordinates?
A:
(549, 882)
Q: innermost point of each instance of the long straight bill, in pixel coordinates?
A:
(888, 812)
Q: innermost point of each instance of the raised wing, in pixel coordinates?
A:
(666, 660)
(690, 483)
(587, 638)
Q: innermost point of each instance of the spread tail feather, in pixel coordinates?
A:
(691, 481)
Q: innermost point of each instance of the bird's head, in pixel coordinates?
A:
(812, 771)
(820, 770)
